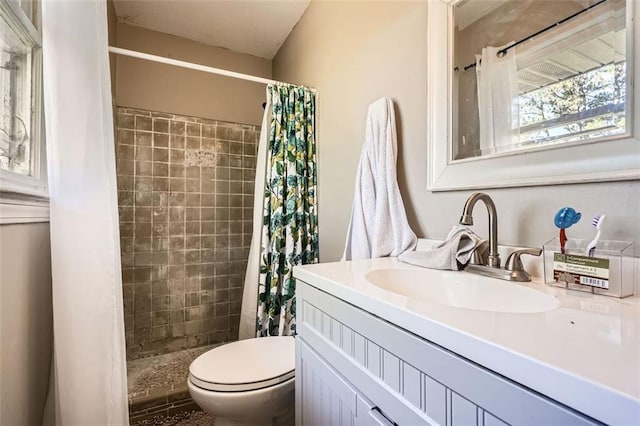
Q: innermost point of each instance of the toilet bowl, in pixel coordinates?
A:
(250, 382)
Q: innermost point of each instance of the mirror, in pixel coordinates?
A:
(537, 92)
(531, 73)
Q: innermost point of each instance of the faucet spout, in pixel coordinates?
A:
(467, 219)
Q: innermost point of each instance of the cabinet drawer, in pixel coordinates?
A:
(412, 380)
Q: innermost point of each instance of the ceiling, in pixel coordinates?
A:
(590, 55)
(256, 27)
(469, 11)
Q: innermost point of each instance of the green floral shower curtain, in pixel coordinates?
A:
(290, 221)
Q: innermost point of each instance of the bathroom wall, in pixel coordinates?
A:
(356, 52)
(185, 189)
(26, 322)
(157, 87)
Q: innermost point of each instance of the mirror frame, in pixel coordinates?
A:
(597, 161)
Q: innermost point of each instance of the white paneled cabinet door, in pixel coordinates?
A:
(322, 397)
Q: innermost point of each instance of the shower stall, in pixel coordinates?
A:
(205, 258)
(185, 199)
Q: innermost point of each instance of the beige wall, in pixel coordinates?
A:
(356, 52)
(157, 87)
(26, 323)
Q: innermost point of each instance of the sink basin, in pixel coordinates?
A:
(462, 290)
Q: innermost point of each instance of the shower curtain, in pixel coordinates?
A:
(289, 221)
(250, 293)
(89, 381)
(498, 107)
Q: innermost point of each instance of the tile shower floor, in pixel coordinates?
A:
(186, 418)
(158, 394)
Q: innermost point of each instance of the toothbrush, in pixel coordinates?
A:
(565, 217)
(597, 223)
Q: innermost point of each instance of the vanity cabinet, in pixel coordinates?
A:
(353, 368)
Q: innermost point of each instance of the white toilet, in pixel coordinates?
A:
(248, 382)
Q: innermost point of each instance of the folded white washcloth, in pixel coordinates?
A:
(453, 253)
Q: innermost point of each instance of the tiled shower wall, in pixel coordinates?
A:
(185, 196)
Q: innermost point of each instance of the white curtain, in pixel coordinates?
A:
(498, 107)
(250, 292)
(89, 382)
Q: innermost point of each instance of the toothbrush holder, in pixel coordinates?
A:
(610, 272)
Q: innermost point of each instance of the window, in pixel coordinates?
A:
(583, 105)
(577, 91)
(22, 162)
(15, 123)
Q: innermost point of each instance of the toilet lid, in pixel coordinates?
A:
(245, 365)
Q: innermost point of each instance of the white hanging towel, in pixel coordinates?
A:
(379, 225)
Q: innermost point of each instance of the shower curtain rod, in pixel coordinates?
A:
(197, 67)
(502, 52)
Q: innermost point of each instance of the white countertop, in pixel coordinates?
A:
(585, 354)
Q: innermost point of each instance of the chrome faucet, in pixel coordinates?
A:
(467, 219)
(490, 266)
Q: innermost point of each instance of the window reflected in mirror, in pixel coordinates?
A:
(537, 73)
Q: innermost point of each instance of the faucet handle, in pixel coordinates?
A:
(514, 263)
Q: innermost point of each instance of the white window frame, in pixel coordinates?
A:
(24, 199)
